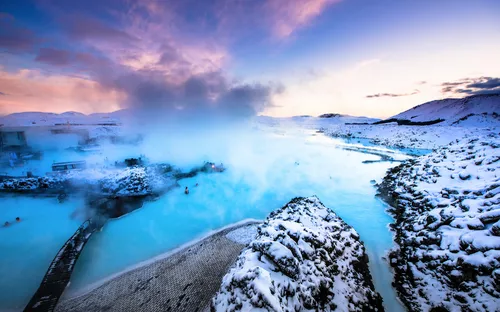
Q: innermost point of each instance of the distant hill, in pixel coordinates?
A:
(476, 110)
(50, 119)
(332, 115)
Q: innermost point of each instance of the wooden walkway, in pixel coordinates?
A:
(59, 273)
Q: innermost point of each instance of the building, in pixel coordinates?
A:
(12, 140)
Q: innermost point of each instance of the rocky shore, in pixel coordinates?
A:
(304, 258)
(447, 209)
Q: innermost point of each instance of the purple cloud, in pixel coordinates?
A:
(472, 86)
(486, 83)
(14, 37)
(147, 52)
(54, 57)
(392, 94)
(83, 27)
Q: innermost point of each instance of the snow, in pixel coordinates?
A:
(243, 235)
(446, 206)
(304, 258)
(407, 138)
(38, 119)
(126, 181)
(478, 110)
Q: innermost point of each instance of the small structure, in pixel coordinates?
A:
(70, 165)
(12, 140)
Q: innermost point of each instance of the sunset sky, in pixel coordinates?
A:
(276, 57)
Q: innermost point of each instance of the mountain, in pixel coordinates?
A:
(477, 110)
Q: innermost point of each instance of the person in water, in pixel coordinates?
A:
(6, 224)
(18, 219)
(186, 191)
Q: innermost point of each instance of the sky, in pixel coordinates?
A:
(245, 57)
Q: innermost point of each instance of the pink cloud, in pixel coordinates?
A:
(30, 90)
(279, 17)
(286, 16)
(164, 44)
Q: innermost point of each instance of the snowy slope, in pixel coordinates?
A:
(447, 224)
(28, 119)
(304, 258)
(454, 111)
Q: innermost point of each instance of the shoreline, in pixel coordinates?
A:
(76, 294)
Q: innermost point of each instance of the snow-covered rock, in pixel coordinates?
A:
(446, 207)
(304, 258)
(31, 184)
(127, 181)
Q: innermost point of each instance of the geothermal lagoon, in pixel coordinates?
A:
(265, 168)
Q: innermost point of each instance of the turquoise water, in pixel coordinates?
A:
(28, 247)
(409, 151)
(264, 173)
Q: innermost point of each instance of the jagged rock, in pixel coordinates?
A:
(495, 229)
(447, 230)
(115, 181)
(304, 258)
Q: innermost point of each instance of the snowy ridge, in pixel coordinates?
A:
(304, 258)
(128, 181)
(447, 212)
(484, 108)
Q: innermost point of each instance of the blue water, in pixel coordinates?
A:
(406, 150)
(28, 247)
(263, 174)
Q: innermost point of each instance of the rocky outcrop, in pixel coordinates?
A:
(304, 258)
(447, 207)
(131, 181)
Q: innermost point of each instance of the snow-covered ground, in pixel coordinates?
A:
(447, 210)
(405, 137)
(304, 258)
